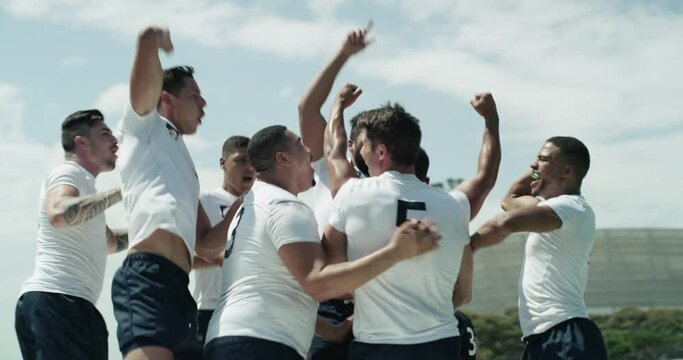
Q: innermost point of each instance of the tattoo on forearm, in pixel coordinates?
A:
(121, 242)
(82, 209)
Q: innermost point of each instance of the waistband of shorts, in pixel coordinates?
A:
(539, 336)
(167, 266)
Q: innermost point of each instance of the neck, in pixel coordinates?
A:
(230, 189)
(403, 169)
(284, 182)
(82, 163)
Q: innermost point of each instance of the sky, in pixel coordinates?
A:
(605, 72)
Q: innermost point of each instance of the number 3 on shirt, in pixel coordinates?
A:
(238, 217)
(404, 206)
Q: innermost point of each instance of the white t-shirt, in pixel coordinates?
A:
(411, 302)
(207, 281)
(158, 178)
(69, 260)
(319, 197)
(260, 297)
(555, 268)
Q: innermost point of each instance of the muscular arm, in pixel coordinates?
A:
(147, 76)
(311, 121)
(529, 219)
(462, 291)
(339, 168)
(479, 186)
(117, 240)
(306, 261)
(519, 194)
(65, 207)
(211, 241)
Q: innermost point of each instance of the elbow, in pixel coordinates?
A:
(57, 220)
(319, 292)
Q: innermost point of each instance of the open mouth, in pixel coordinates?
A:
(247, 178)
(535, 175)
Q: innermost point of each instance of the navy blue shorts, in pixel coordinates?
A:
(58, 326)
(203, 318)
(153, 306)
(442, 349)
(468, 338)
(248, 348)
(576, 338)
(336, 311)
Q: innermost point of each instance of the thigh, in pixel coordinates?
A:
(248, 348)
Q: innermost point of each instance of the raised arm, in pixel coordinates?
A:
(529, 219)
(65, 207)
(519, 194)
(311, 121)
(479, 186)
(147, 76)
(339, 168)
(306, 261)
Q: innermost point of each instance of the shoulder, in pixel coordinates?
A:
(569, 207)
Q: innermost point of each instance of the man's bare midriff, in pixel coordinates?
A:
(166, 244)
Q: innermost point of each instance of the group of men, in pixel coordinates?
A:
(343, 226)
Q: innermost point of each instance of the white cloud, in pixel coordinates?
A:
(73, 61)
(11, 112)
(112, 102)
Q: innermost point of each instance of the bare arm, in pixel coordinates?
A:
(146, 76)
(462, 291)
(519, 194)
(339, 168)
(117, 240)
(335, 333)
(306, 261)
(210, 245)
(479, 186)
(531, 219)
(65, 207)
(311, 121)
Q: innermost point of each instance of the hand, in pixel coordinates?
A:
(356, 40)
(348, 95)
(484, 104)
(164, 39)
(340, 332)
(414, 238)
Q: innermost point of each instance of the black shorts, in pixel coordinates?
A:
(336, 311)
(153, 305)
(442, 349)
(468, 338)
(59, 326)
(248, 348)
(576, 338)
(203, 318)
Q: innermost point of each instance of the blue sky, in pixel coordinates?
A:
(606, 72)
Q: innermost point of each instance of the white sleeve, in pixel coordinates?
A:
(64, 175)
(338, 213)
(462, 201)
(135, 124)
(291, 222)
(567, 209)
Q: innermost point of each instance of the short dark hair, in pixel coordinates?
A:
(353, 135)
(234, 143)
(422, 165)
(174, 78)
(394, 127)
(265, 144)
(79, 124)
(574, 152)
